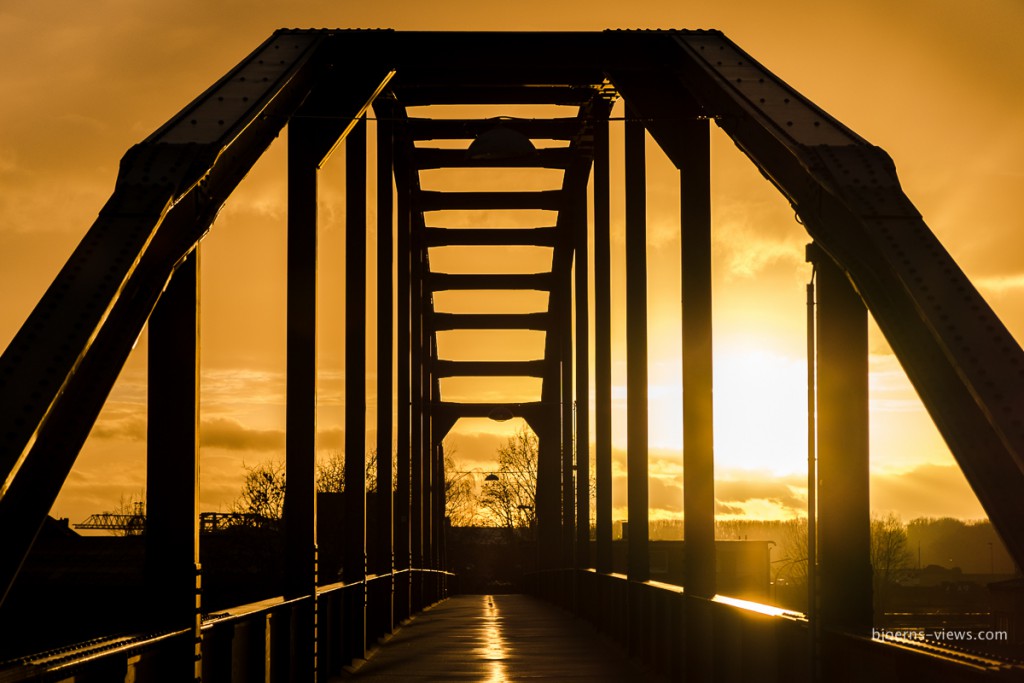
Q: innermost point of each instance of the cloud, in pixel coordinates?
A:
(224, 433)
(1001, 284)
(926, 491)
(130, 427)
(760, 495)
(333, 439)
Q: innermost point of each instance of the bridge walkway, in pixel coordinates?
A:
(498, 638)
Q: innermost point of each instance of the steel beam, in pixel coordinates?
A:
(602, 350)
(172, 466)
(57, 371)
(489, 368)
(582, 422)
(565, 348)
(403, 377)
(693, 154)
(412, 96)
(546, 426)
(419, 361)
(844, 514)
(304, 152)
(529, 237)
(638, 561)
(698, 422)
(384, 531)
(494, 411)
(355, 385)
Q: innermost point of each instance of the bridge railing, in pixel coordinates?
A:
(252, 642)
(727, 640)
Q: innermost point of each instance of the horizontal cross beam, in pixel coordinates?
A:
(489, 368)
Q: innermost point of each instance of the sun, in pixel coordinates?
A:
(760, 404)
(760, 411)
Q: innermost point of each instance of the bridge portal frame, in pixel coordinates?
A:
(61, 365)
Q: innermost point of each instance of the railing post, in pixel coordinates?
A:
(698, 424)
(602, 349)
(355, 387)
(844, 516)
(172, 466)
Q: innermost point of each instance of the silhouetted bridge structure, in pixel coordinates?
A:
(137, 266)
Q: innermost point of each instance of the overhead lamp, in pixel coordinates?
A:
(500, 414)
(500, 142)
(491, 477)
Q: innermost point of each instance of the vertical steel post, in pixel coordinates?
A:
(546, 425)
(636, 347)
(385, 354)
(844, 517)
(602, 349)
(416, 435)
(355, 384)
(300, 418)
(582, 382)
(428, 450)
(568, 482)
(403, 444)
(172, 467)
(698, 422)
(812, 491)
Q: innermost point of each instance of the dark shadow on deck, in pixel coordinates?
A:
(498, 638)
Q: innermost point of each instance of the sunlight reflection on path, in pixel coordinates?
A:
(493, 649)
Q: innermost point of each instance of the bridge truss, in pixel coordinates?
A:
(137, 266)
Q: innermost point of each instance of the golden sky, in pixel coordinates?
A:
(935, 83)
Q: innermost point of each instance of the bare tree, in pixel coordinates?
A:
(791, 567)
(890, 557)
(131, 514)
(511, 500)
(262, 491)
(460, 503)
(330, 472)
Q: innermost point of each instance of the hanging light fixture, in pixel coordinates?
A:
(500, 142)
(500, 414)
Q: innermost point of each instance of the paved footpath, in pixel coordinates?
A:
(498, 638)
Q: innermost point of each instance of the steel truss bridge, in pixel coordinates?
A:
(137, 265)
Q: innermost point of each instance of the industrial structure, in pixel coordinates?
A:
(137, 265)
